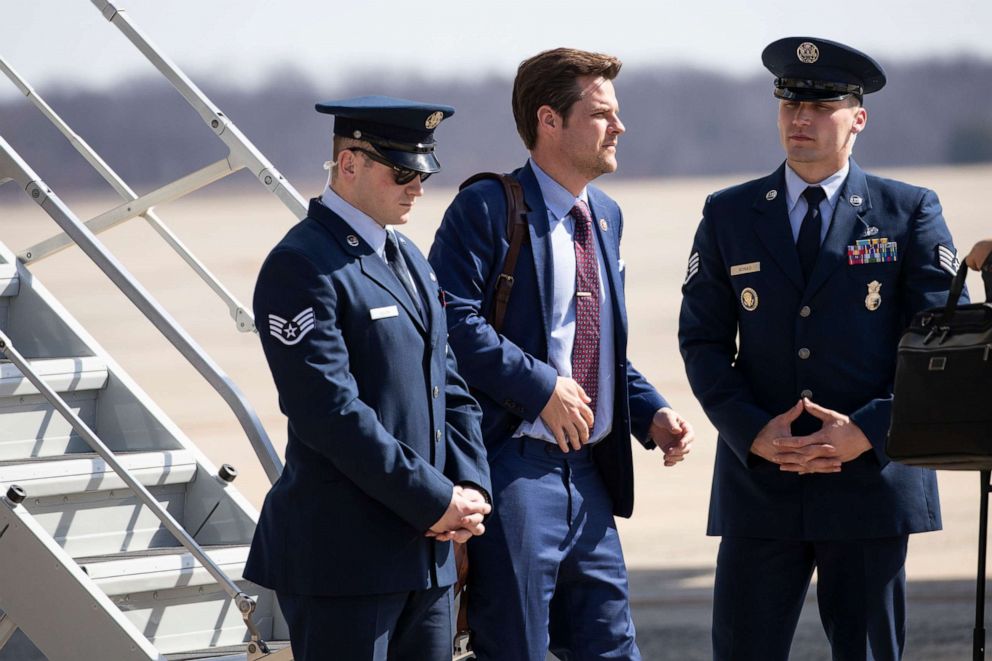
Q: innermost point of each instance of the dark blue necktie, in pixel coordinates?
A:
(396, 262)
(808, 243)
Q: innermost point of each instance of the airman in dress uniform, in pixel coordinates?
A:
(799, 285)
(384, 462)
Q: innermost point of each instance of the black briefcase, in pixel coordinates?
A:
(942, 404)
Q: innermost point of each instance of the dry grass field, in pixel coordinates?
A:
(670, 557)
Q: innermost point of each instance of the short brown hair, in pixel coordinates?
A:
(549, 79)
(340, 144)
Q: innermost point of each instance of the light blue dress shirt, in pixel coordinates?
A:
(559, 203)
(371, 232)
(794, 187)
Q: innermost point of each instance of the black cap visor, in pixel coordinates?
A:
(420, 161)
(797, 89)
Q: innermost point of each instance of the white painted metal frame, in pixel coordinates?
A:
(241, 154)
(13, 168)
(245, 604)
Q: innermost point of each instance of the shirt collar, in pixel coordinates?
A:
(372, 232)
(795, 185)
(556, 198)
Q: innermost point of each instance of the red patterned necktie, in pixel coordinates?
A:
(585, 350)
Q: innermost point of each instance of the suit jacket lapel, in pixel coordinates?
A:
(371, 264)
(427, 288)
(376, 269)
(540, 243)
(772, 226)
(844, 228)
(608, 248)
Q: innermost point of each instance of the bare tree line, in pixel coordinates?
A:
(680, 122)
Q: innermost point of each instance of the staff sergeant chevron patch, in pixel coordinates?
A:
(947, 259)
(292, 331)
(693, 268)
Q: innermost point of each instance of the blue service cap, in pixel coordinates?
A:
(402, 131)
(813, 69)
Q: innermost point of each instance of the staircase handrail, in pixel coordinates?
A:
(13, 168)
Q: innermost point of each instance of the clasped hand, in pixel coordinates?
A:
(838, 441)
(463, 518)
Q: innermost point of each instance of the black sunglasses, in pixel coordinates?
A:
(402, 176)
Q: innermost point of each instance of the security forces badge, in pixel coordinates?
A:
(292, 331)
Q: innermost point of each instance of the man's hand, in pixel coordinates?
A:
(567, 414)
(837, 442)
(778, 427)
(979, 253)
(672, 434)
(463, 518)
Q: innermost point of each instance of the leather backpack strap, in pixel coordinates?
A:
(516, 233)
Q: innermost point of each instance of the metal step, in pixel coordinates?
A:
(82, 473)
(87, 509)
(229, 653)
(32, 429)
(62, 374)
(160, 569)
(175, 603)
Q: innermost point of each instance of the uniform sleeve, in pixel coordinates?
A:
(319, 395)
(708, 342)
(465, 255)
(925, 282)
(466, 462)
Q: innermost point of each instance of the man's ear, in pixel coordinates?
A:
(860, 120)
(347, 162)
(547, 118)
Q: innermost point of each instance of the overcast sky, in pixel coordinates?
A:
(68, 42)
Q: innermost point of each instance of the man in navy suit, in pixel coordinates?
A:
(798, 288)
(384, 462)
(558, 395)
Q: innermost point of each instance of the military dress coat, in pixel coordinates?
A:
(509, 372)
(380, 424)
(756, 338)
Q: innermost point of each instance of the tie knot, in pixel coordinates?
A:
(814, 195)
(580, 212)
(392, 246)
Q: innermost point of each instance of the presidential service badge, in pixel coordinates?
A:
(292, 331)
(749, 299)
(807, 52)
(433, 120)
(873, 300)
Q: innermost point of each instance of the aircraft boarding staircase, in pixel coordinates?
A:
(119, 539)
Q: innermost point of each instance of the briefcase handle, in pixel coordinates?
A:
(954, 295)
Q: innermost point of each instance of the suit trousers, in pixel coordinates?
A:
(549, 572)
(403, 626)
(761, 585)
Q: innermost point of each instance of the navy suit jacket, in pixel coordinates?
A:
(380, 424)
(508, 372)
(748, 365)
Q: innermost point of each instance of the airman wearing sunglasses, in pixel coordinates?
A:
(385, 465)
